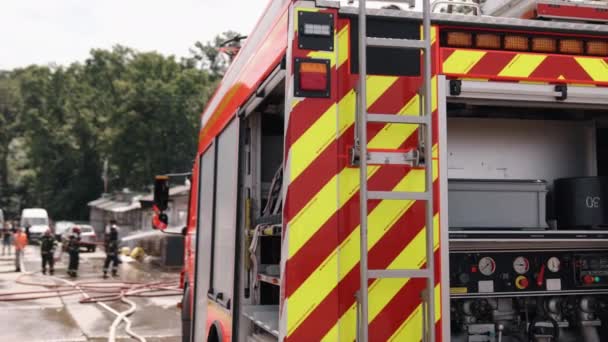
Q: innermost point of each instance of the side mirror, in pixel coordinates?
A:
(161, 202)
(160, 221)
(161, 192)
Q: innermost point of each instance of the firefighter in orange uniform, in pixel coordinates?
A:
(20, 241)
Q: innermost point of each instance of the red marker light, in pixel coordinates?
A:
(588, 279)
(473, 269)
(313, 76)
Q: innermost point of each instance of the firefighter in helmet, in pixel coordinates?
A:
(73, 249)
(47, 251)
(111, 246)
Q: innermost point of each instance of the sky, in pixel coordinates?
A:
(64, 31)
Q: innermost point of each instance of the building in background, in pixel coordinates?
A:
(123, 206)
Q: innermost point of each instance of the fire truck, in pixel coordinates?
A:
(400, 171)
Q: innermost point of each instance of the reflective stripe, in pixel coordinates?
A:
(597, 68)
(310, 145)
(461, 61)
(411, 329)
(522, 65)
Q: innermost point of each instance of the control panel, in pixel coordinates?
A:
(527, 272)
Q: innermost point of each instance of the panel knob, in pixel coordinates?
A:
(521, 282)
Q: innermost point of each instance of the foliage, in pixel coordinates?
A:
(210, 54)
(137, 112)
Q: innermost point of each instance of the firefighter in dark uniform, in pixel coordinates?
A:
(111, 245)
(73, 249)
(47, 251)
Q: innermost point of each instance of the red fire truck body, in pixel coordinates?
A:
(272, 248)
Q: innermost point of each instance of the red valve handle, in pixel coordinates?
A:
(541, 276)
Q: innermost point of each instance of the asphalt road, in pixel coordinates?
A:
(65, 319)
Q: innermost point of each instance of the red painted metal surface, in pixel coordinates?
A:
(261, 53)
(573, 11)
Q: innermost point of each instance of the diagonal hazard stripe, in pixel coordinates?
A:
(381, 217)
(491, 64)
(381, 291)
(411, 329)
(341, 41)
(315, 288)
(461, 61)
(318, 136)
(597, 68)
(301, 190)
(522, 65)
(561, 68)
(321, 207)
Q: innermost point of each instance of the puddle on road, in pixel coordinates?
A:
(57, 324)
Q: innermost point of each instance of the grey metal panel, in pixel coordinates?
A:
(518, 94)
(497, 204)
(224, 239)
(516, 149)
(468, 20)
(203, 242)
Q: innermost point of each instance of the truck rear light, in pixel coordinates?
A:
(487, 41)
(312, 77)
(597, 48)
(518, 43)
(571, 46)
(460, 39)
(317, 30)
(544, 44)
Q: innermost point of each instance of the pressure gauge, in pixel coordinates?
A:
(487, 266)
(521, 265)
(553, 264)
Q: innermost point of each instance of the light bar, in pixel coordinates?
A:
(525, 42)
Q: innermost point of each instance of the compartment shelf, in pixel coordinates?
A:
(264, 316)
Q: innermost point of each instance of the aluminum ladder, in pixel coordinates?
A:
(425, 122)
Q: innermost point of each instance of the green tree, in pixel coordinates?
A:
(58, 125)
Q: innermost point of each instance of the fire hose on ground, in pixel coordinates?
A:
(95, 292)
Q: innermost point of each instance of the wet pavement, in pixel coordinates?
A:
(65, 319)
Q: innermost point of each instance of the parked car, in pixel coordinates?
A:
(88, 238)
(61, 227)
(35, 221)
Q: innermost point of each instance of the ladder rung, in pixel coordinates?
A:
(410, 158)
(397, 43)
(377, 274)
(399, 195)
(399, 119)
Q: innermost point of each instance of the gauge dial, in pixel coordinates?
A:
(553, 264)
(521, 265)
(487, 266)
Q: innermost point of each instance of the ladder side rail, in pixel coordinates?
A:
(428, 110)
(362, 113)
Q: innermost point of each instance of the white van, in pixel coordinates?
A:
(37, 220)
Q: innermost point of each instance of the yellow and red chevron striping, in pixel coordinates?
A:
(514, 66)
(321, 211)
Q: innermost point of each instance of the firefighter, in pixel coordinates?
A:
(111, 246)
(20, 241)
(47, 251)
(73, 249)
